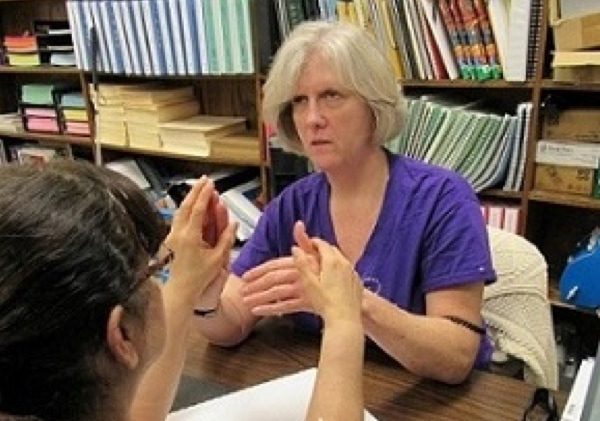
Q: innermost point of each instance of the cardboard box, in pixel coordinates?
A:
(563, 9)
(576, 66)
(561, 179)
(577, 33)
(573, 124)
(576, 24)
(585, 74)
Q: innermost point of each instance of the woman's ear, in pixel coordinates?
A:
(119, 338)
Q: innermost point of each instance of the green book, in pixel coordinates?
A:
(37, 93)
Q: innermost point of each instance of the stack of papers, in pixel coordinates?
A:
(285, 398)
(194, 134)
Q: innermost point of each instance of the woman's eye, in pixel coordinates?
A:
(298, 100)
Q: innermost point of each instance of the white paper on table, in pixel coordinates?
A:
(284, 398)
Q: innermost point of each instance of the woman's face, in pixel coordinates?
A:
(335, 125)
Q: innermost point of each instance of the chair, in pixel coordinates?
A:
(517, 310)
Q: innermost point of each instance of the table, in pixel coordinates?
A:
(391, 393)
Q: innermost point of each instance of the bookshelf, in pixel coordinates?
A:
(220, 94)
(553, 221)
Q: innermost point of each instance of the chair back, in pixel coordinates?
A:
(516, 307)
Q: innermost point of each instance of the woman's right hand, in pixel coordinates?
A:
(334, 289)
(201, 238)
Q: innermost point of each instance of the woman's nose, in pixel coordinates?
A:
(314, 115)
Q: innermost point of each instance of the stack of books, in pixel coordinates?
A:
(22, 50)
(164, 37)
(73, 114)
(148, 106)
(11, 122)
(487, 149)
(38, 108)
(110, 114)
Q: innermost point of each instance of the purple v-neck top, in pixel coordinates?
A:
(430, 235)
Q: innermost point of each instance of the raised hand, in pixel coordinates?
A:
(201, 238)
(334, 291)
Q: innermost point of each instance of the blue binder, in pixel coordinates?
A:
(580, 281)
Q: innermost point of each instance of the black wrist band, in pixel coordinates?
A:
(471, 326)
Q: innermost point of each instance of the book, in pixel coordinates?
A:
(95, 18)
(441, 38)
(458, 47)
(23, 59)
(242, 147)
(190, 35)
(166, 36)
(77, 128)
(177, 36)
(201, 36)
(11, 122)
(123, 41)
(517, 42)
(74, 114)
(142, 38)
(202, 127)
(128, 22)
(109, 29)
(130, 169)
(209, 125)
(159, 113)
(75, 21)
(241, 207)
(154, 94)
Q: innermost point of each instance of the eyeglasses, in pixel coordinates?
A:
(155, 268)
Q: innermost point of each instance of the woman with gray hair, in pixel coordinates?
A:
(413, 232)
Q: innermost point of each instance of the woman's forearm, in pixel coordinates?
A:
(428, 346)
(232, 322)
(338, 391)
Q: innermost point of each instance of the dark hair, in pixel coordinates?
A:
(73, 240)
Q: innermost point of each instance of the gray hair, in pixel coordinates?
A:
(358, 61)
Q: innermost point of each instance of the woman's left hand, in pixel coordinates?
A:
(275, 288)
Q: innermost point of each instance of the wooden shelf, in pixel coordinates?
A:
(466, 84)
(218, 153)
(40, 70)
(240, 77)
(501, 194)
(564, 199)
(43, 137)
(555, 301)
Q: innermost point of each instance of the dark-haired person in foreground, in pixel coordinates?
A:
(86, 333)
